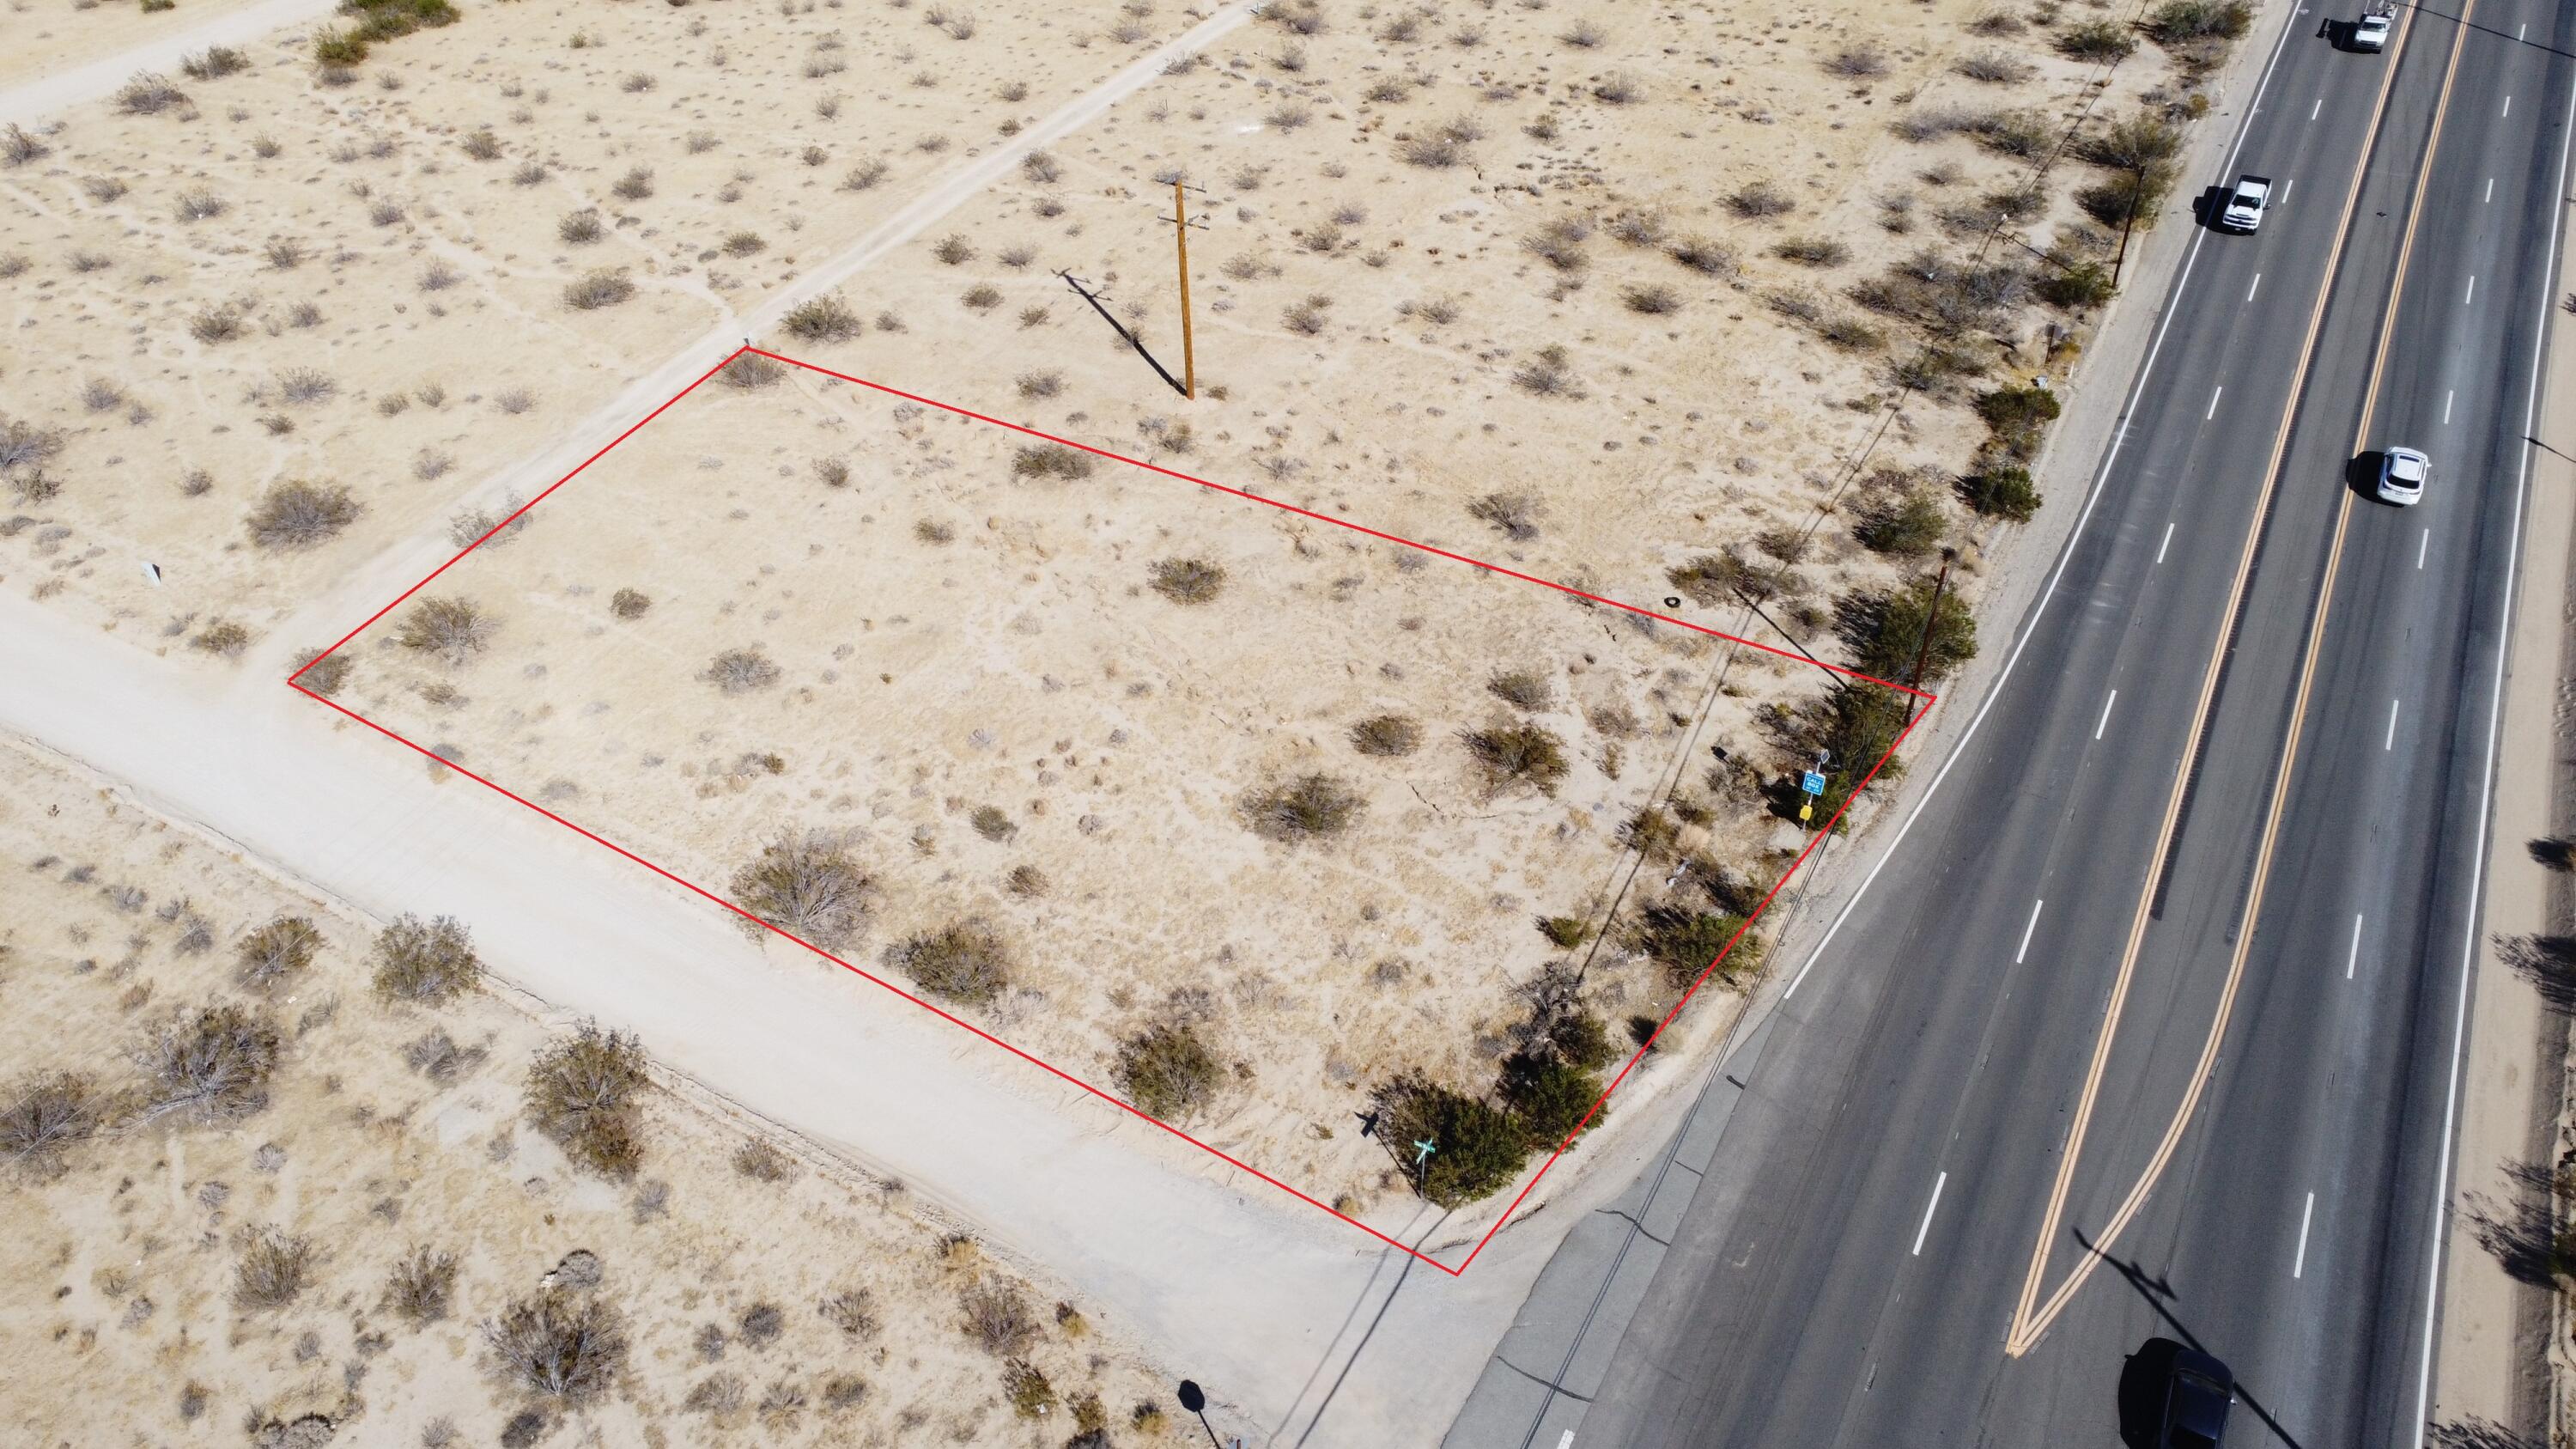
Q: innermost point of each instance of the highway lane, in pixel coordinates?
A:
(1945, 1039)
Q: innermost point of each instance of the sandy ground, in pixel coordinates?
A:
(2504, 1358)
(48, 37)
(125, 1260)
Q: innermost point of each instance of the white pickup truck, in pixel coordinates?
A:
(2243, 210)
(2370, 32)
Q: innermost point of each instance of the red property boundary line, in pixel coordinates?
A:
(1814, 839)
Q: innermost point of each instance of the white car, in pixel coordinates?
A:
(2243, 209)
(2402, 472)
(2370, 32)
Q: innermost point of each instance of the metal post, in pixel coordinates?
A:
(1181, 232)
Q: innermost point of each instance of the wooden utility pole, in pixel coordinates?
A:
(1181, 234)
(2128, 219)
(1923, 654)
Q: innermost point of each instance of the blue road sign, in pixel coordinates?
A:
(1813, 784)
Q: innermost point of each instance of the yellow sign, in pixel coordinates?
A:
(1806, 813)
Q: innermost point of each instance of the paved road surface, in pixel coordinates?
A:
(1818, 1293)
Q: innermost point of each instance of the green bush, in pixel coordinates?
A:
(2001, 492)
(1908, 525)
(1582, 1039)
(1885, 632)
(1550, 1095)
(1510, 756)
(2078, 288)
(1478, 1147)
(2128, 196)
(2142, 138)
(2179, 22)
(1565, 932)
(1307, 808)
(2097, 40)
(1684, 941)
(2019, 416)
(1168, 1072)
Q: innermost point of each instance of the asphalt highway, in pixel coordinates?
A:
(2239, 705)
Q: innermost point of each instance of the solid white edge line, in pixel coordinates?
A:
(2486, 803)
(2105, 720)
(2027, 931)
(2352, 958)
(2299, 1264)
(2066, 555)
(1928, 1209)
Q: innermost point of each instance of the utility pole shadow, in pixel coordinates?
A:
(2142, 1377)
(1129, 337)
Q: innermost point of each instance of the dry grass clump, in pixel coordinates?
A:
(1756, 200)
(808, 886)
(148, 95)
(18, 147)
(635, 185)
(45, 1115)
(585, 1093)
(603, 287)
(429, 962)
(1443, 146)
(224, 638)
(1387, 735)
(24, 446)
(323, 674)
(1518, 756)
(419, 1290)
(1857, 62)
(998, 1318)
(1051, 460)
(2097, 41)
(299, 514)
(1995, 67)
(213, 1065)
(1813, 251)
(760, 1161)
(1310, 807)
(275, 952)
(964, 961)
(272, 1271)
(1560, 243)
(953, 249)
(1188, 580)
(1512, 514)
(993, 823)
(1522, 689)
(581, 228)
(740, 671)
(853, 1311)
(825, 319)
(750, 370)
(558, 1345)
(630, 604)
(213, 63)
(446, 628)
(1652, 299)
(1549, 374)
(1025, 1388)
(1167, 1072)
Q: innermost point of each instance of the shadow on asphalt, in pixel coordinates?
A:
(2361, 475)
(2140, 1432)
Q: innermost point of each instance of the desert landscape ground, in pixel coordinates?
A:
(1263, 823)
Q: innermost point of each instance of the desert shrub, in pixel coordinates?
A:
(224, 638)
(1565, 932)
(1039, 384)
(1550, 373)
(1885, 631)
(436, 1055)
(2019, 416)
(272, 1270)
(602, 287)
(148, 95)
(323, 674)
(44, 1115)
(421, 1285)
(1653, 299)
(446, 628)
(212, 1064)
(2096, 40)
(824, 319)
(23, 445)
(1854, 725)
(298, 514)
(585, 1093)
(992, 823)
(953, 250)
(630, 604)
(1514, 515)
(1441, 147)
(1996, 67)
(564, 1347)
(1478, 1148)
(808, 886)
(1027, 1390)
(750, 371)
(2024, 135)
(1851, 334)
(2003, 491)
(635, 185)
(1522, 689)
(2078, 287)
(1560, 243)
(18, 146)
(1387, 735)
(964, 961)
(1167, 1072)
(762, 1162)
(1812, 251)
(1907, 525)
(2126, 197)
(2180, 22)
(998, 1317)
(429, 962)
(1550, 1096)
(1310, 807)
(1684, 941)
(853, 1311)
(1618, 88)
(2137, 140)
(1514, 756)
(1188, 580)
(1857, 62)
(481, 144)
(581, 228)
(1758, 199)
(216, 324)
(740, 671)
(274, 952)
(1582, 1040)
(1051, 460)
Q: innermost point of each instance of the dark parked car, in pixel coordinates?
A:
(2198, 1391)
